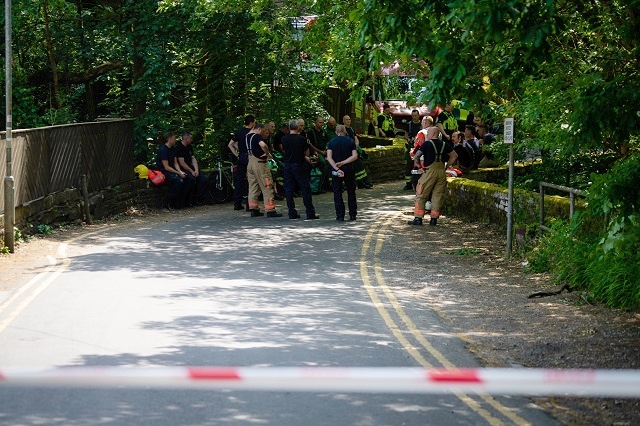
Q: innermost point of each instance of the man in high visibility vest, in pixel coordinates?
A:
(385, 122)
(447, 123)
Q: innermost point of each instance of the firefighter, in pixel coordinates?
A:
(433, 181)
(259, 172)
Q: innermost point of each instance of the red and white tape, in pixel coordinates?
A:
(601, 383)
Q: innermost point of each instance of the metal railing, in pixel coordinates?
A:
(572, 195)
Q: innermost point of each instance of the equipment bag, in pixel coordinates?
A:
(156, 177)
(316, 180)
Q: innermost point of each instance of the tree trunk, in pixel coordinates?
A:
(52, 60)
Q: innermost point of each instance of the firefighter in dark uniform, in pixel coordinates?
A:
(433, 181)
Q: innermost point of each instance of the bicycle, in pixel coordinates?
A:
(221, 181)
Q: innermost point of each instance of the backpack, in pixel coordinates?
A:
(156, 177)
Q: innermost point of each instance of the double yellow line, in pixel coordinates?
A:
(374, 283)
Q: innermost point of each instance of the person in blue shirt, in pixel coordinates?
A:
(341, 153)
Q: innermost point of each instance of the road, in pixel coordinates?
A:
(212, 286)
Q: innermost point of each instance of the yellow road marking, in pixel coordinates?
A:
(411, 327)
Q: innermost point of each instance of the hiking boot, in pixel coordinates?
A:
(312, 217)
(238, 207)
(274, 214)
(433, 221)
(256, 213)
(294, 216)
(340, 218)
(416, 221)
(352, 217)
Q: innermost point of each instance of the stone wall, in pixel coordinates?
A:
(385, 163)
(68, 206)
(485, 202)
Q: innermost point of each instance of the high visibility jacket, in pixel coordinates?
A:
(450, 123)
(387, 124)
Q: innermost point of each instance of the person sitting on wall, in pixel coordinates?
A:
(486, 139)
(465, 153)
(167, 163)
(196, 181)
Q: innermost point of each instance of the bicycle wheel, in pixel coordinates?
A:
(220, 190)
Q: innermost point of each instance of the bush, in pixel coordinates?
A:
(603, 262)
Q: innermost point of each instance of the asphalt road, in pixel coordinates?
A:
(213, 287)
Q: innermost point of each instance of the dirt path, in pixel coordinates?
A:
(488, 308)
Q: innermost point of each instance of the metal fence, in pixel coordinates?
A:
(572, 200)
(47, 160)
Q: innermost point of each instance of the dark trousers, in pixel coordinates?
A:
(349, 180)
(175, 190)
(240, 179)
(197, 188)
(296, 175)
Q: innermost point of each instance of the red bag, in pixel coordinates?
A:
(156, 177)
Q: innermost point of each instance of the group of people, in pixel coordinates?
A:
(434, 148)
(333, 150)
(186, 185)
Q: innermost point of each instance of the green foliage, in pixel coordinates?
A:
(17, 235)
(605, 262)
(44, 229)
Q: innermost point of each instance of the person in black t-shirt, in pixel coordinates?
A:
(433, 182)
(195, 182)
(486, 139)
(465, 154)
(296, 171)
(239, 149)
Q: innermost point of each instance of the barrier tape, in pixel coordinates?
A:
(599, 383)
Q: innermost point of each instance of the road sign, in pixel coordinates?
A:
(508, 130)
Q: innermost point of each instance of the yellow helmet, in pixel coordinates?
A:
(142, 171)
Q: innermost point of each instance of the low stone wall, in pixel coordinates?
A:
(485, 202)
(386, 163)
(68, 206)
